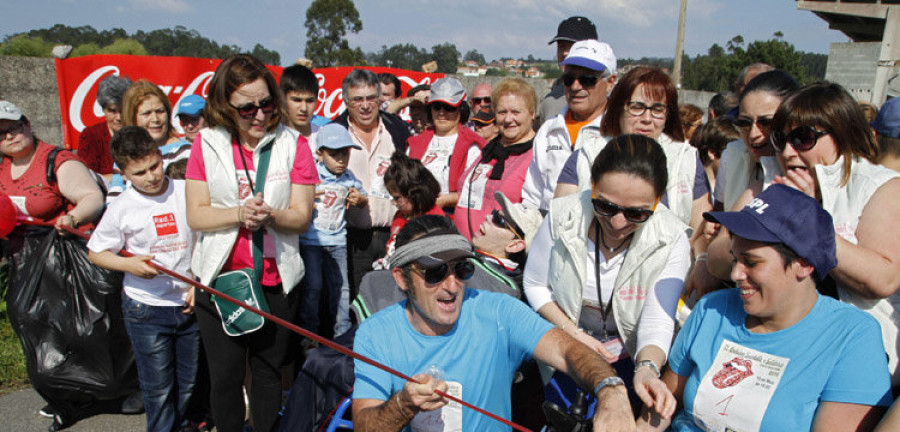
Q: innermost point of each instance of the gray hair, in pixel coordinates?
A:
(111, 90)
(361, 78)
(757, 67)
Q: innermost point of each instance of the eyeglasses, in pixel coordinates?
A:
(189, 120)
(440, 106)
(13, 130)
(359, 100)
(480, 100)
(499, 220)
(433, 275)
(802, 138)
(637, 109)
(747, 122)
(248, 111)
(586, 80)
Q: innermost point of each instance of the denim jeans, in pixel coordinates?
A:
(326, 268)
(166, 345)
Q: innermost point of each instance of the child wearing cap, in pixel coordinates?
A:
(324, 245)
(773, 354)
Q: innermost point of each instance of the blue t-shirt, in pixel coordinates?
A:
(331, 229)
(775, 381)
(495, 333)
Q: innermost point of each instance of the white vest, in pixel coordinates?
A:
(570, 218)
(846, 204)
(681, 163)
(739, 169)
(213, 248)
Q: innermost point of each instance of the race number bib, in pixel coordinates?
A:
(376, 177)
(446, 419)
(330, 206)
(737, 389)
(19, 203)
(472, 194)
(437, 160)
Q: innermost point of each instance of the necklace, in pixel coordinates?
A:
(603, 242)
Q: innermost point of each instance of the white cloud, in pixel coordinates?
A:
(170, 6)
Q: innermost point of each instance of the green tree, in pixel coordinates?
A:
(403, 56)
(327, 24)
(24, 46)
(447, 57)
(85, 49)
(124, 46)
(474, 55)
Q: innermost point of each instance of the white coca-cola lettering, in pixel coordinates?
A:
(80, 94)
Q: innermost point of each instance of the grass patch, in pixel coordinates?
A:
(13, 375)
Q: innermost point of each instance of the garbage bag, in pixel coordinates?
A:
(68, 316)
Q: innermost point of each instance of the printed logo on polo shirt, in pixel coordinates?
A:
(165, 224)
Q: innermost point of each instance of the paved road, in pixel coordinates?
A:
(19, 412)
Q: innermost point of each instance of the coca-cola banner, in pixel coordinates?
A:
(178, 77)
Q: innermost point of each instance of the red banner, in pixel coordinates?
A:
(78, 78)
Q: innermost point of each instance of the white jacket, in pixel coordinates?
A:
(552, 147)
(570, 218)
(213, 248)
(846, 204)
(681, 163)
(740, 170)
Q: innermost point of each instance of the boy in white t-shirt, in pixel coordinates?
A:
(149, 220)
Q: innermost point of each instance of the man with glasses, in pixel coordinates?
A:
(480, 99)
(590, 73)
(462, 341)
(379, 134)
(570, 30)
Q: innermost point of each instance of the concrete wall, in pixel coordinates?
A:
(30, 83)
(853, 66)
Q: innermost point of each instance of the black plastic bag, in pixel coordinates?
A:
(68, 316)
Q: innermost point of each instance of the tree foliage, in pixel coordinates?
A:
(24, 46)
(327, 25)
(474, 55)
(408, 56)
(447, 57)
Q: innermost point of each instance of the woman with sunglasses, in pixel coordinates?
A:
(826, 150)
(608, 264)
(645, 102)
(244, 112)
(446, 148)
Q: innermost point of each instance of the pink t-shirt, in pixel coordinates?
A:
(241, 256)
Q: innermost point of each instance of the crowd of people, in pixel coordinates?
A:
(734, 268)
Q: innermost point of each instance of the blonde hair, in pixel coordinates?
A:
(518, 87)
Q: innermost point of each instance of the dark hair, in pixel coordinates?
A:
(830, 107)
(464, 112)
(723, 102)
(421, 87)
(888, 146)
(409, 178)
(637, 155)
(776, 82)
(712, 137)
(131, 143)
(111, 90)
(389, 78)
(421, 226)
(232, 73)
(658, 85)
(177, 170)
(298, 78)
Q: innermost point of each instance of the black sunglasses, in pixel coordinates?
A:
(586, 80)
(479, 100)
(462, 269)
(802, 138)
(499, 220)
(747, 122)
(19, 126)
(440, 106)
(187, 119)
(248, 111)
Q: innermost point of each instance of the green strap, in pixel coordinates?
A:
(264, 155)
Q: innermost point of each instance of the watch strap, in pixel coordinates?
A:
(609, 381)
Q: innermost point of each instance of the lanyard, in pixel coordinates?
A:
(604, 310)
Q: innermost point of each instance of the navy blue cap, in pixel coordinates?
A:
(334, 136)
(782, 214)
(191, 105)
(888, 121)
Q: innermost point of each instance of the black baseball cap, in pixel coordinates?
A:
(574, 29)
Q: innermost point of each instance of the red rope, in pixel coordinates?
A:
(308, 334)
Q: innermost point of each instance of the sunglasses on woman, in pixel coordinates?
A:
(462, 269)
(438, 106)
(13, 130)
(248, 111)
(632, 214)
(747, 122)
(802, 138)
(586, 80)
(499, 220)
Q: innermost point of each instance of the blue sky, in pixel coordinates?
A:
(497, 28)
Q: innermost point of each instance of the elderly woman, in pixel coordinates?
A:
(504, 161)
(772, 353)
(446, 148)
(227, 206)
(645, 102)
(608, 264)
(93, 143)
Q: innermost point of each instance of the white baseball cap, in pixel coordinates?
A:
(592, 54)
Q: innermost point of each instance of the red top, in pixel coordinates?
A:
(36, 200)
(418, 145)
(400, 220)
(93, 148)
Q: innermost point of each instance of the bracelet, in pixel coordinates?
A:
(650, 364)
(400, 407)
(701, 257)
(240, 214)
(609, 381)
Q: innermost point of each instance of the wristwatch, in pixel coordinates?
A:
(650, 364)
(610, 381)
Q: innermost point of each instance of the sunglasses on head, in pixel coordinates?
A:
(480, 100)
(747, 122)
(462, 269)
(605, 208)
(499, 220)
(440, 106)
(586, 80)
(248, 111)
(802, 138)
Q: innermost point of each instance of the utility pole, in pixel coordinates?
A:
(679, 45)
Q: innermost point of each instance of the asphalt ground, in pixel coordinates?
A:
(19, 412)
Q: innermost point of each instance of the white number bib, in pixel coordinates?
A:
(376, 178)
(437, 160)
(472, 193)
(330, 206)
(446, 419)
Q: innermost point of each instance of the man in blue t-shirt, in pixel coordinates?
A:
(773, 354)
(461, 341)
